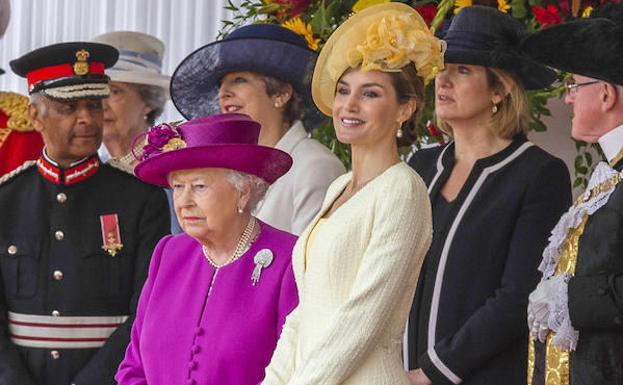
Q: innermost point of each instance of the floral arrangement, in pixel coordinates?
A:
(161, 138)
(315, 20)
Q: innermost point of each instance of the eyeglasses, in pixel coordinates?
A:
(572, 87)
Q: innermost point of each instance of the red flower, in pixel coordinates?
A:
(427, 12)
(434, 132)
(293, 7)
(547, 16)
(564, 7)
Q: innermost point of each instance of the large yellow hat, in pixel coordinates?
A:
(384, 37)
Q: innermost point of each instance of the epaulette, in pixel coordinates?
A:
(15, 106)
(122, 166)
(25, 166)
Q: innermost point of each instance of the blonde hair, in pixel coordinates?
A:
(513, 113)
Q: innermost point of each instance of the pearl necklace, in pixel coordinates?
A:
(241, 248)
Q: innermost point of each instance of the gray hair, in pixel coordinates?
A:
(39, 100)
(257, 186)
(155, 97)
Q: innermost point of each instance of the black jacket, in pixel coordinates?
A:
(596, 299)
(68, 273)
(473, 289)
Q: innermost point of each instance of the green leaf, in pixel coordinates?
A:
(582, 170)
(577, 182)
(589, 158)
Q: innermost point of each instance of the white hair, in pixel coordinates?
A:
(257, 186)
(39, 101)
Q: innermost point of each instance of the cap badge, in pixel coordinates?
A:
(81, 67)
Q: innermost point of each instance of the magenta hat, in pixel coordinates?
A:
(219, 141)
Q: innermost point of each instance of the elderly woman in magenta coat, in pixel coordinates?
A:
(217, 295)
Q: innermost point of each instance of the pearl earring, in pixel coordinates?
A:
(494, 109)
(240, 210)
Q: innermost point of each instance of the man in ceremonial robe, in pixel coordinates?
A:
(575, 315)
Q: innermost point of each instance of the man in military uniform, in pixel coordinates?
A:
(76, 235)
(576, 312)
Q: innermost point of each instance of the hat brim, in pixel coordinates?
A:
(588, 47)
(195, 82)
(141, 77)
(264, 162)
(533, 76)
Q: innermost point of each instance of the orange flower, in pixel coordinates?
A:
(298, 26)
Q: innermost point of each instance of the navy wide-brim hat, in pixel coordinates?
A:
(266, 49)
(484, 36)
(589, 47)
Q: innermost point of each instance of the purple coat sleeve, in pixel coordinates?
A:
(131, 368)
(288, 297)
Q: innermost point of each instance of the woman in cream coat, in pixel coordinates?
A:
(356, 264)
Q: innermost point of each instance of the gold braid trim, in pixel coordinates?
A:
(25, 166)
(556, 360)
(16, 107)
(4, 133)
(617, 158)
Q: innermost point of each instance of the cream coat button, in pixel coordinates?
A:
(12, 250)
(58, 275)
(55, 354)
(56, 313)
(61, 197)
(59, 235)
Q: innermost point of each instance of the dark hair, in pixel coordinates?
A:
(409, 85)
(294, 108)
(155, 98)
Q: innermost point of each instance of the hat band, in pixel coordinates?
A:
(139, 58)
(469, 40)
(59, 71)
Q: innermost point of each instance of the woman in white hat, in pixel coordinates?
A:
(138, 91)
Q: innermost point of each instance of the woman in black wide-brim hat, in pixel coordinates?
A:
(264, 71)
(495, 198)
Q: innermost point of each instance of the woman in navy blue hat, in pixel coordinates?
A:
(495, 197)
(264, 71)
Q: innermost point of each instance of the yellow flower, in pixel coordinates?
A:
(362, 4)
(298, 26)
(503, 6)
(587, 12)
(460, 4)
(395, 41)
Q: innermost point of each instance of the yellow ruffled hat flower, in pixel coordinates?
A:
(297, 25)
(393, 42)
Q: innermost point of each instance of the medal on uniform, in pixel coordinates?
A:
(111, 236)
(262, 259)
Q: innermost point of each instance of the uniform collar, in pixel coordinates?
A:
(611, 144)
(292, 137)
(75, 173)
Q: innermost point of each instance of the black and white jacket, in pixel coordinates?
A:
(468, 320)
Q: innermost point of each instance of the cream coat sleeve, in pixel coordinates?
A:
(282, 364)
(401, 235)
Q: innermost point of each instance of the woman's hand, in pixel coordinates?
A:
(417, 377)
